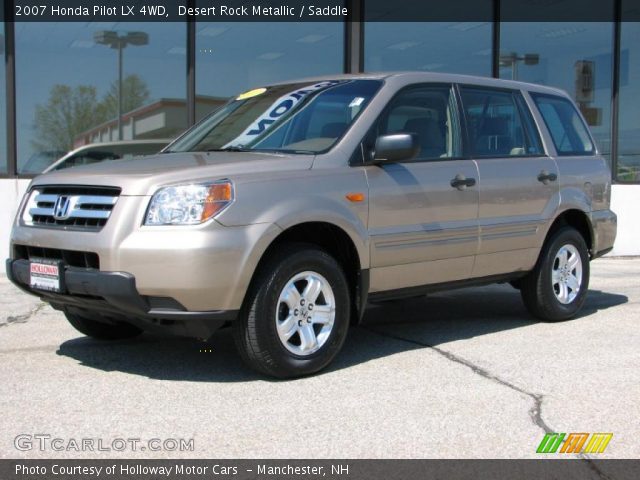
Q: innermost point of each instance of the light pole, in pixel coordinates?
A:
(113, 40)
(512, 59)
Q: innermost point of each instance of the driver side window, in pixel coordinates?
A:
(430, 113)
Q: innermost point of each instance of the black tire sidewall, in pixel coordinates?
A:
(286, 363)
(558, 310)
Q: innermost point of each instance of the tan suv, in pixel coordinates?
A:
(290, 207)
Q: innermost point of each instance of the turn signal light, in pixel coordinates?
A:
(219, 196)
(355, 197)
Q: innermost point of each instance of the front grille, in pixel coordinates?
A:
(73, 258)
(71, 207)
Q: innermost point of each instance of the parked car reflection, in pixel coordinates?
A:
(100, 152)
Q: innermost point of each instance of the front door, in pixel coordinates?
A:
(423, 214)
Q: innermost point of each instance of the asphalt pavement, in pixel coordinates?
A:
(460, 374)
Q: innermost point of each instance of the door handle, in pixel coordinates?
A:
(461, 182)
(546, 177)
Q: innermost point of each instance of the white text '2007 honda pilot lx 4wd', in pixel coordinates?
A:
(288, 208)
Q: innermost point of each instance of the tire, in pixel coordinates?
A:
(273, 335)
(102, 331)
(547, 298)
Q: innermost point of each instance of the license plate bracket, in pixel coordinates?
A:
(46, 274)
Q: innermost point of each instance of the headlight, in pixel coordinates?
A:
(189, 204)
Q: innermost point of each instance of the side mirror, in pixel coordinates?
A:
(396, 147)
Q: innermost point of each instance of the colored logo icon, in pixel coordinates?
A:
(574, 443)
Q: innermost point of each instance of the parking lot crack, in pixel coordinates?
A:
(24, 318)
(535, 412)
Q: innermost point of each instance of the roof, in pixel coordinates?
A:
(435, 77)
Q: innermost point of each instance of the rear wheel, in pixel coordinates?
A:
(296, 317)
(102, 331)
(557, 287)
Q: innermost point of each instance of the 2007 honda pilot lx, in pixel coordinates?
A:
(290, 207)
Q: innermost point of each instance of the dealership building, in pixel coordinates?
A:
(59, 80)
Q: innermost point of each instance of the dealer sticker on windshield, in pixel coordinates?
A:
(277, 109)
(45, 275)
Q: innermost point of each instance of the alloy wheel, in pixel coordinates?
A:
(566, 274)
(305, 313)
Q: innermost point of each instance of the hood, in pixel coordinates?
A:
(142, 176)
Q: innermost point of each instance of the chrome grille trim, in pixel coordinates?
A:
(72, 207)
(96, 200)
(46, 198)
(76, 213)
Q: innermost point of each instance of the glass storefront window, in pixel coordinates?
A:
(234, 57)
(576, 57)
(67, 86)
(628, 165)
(4, 166)
(453, 47)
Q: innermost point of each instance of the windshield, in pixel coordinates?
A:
(298, 117)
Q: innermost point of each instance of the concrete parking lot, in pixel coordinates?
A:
(458, 374)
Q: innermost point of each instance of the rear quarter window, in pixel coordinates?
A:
(568, 131)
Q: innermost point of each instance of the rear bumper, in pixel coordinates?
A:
(113, 297)
(605, 226)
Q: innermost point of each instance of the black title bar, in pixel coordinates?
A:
(320, 10)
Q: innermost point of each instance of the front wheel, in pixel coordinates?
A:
(296, 317)
(557, 287)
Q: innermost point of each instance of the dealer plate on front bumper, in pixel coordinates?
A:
(45, 275)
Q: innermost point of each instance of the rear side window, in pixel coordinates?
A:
(568, 131)
(497, 125)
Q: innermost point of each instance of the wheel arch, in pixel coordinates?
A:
(579, 220)
(338, 243)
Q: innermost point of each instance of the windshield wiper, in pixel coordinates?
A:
(232, 148)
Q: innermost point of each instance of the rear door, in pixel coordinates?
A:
(519, 189)
(423, 213)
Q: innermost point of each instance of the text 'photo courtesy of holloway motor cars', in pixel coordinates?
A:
(288, 209)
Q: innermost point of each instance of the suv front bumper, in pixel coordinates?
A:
(206, 267)
(113, 297)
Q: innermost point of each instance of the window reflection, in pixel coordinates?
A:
(628, 167)
(68, 88)
(233, 57)
(460, 47)
(576, 57)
